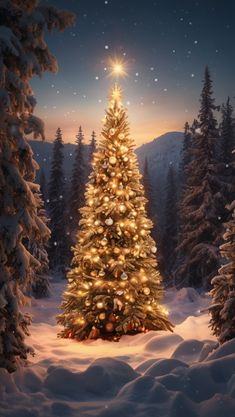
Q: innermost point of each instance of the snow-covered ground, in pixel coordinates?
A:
(183, 374)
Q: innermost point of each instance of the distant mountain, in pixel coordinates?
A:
(161, 152)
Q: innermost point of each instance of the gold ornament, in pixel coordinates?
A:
(101, 273)
(121, 136)
(153, 249)
(100, 304)
(122, 208)
(102, 316)
(87, 303)
(104, 241)
(112, 160)
(116, 250)
(112, 131)
(97, 223)
(146, 290)
(124, 276)
(109, 327)
(100, 230)
(109, 221)
(106, 199)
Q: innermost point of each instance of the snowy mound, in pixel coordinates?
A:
(147, 375)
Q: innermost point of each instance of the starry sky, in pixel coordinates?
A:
(165, 46)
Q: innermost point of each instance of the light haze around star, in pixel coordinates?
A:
(165, 45)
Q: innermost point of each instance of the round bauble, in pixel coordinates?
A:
(97, 223)
(106, 199)
(125, 158)
(104, 241)
(112, 318)
(124, 276)
(112, 160)
(153, 249)
(100, 230)
(101, 273)
(99, 304)
(121, 136)
(122, 208)
(102, 316)
(109, 327)
(87, 303)
(112, 131)
(112, 174)
(146, 290)
(109, 221)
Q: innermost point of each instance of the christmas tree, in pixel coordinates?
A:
(223, 292)
(113, 286)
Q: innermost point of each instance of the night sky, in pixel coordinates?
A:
(165, 44)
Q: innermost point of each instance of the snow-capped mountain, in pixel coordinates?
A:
(160, 152)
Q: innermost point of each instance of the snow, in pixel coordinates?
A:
(184, 374)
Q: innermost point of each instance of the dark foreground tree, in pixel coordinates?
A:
(223, 292)
(23, 54)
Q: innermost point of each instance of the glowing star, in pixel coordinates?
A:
(117, 68)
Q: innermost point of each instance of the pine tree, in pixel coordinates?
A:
(40, 286)
(226, 159)
(185, 155)
(223, 292)
(43, 186)
(198, 251)
(113, 287)
(148, 190)
(77, 189)
(23, 54)
(170, 226)
(58, 251)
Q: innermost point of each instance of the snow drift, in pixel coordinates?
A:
(184, 374)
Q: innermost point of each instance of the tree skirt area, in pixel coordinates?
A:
(154, 374)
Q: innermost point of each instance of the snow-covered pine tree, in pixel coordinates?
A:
(170, 226)
(148, 191)
(43, 185)
(185, 156)
(113, 286)
(77, 187)
(58, 245)
(198, 248)
(226, 159)
(23, 54)
(40, 286)
(222, 310)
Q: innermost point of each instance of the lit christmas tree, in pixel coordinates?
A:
(113, 286)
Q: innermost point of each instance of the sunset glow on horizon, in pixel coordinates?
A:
(157, 54)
